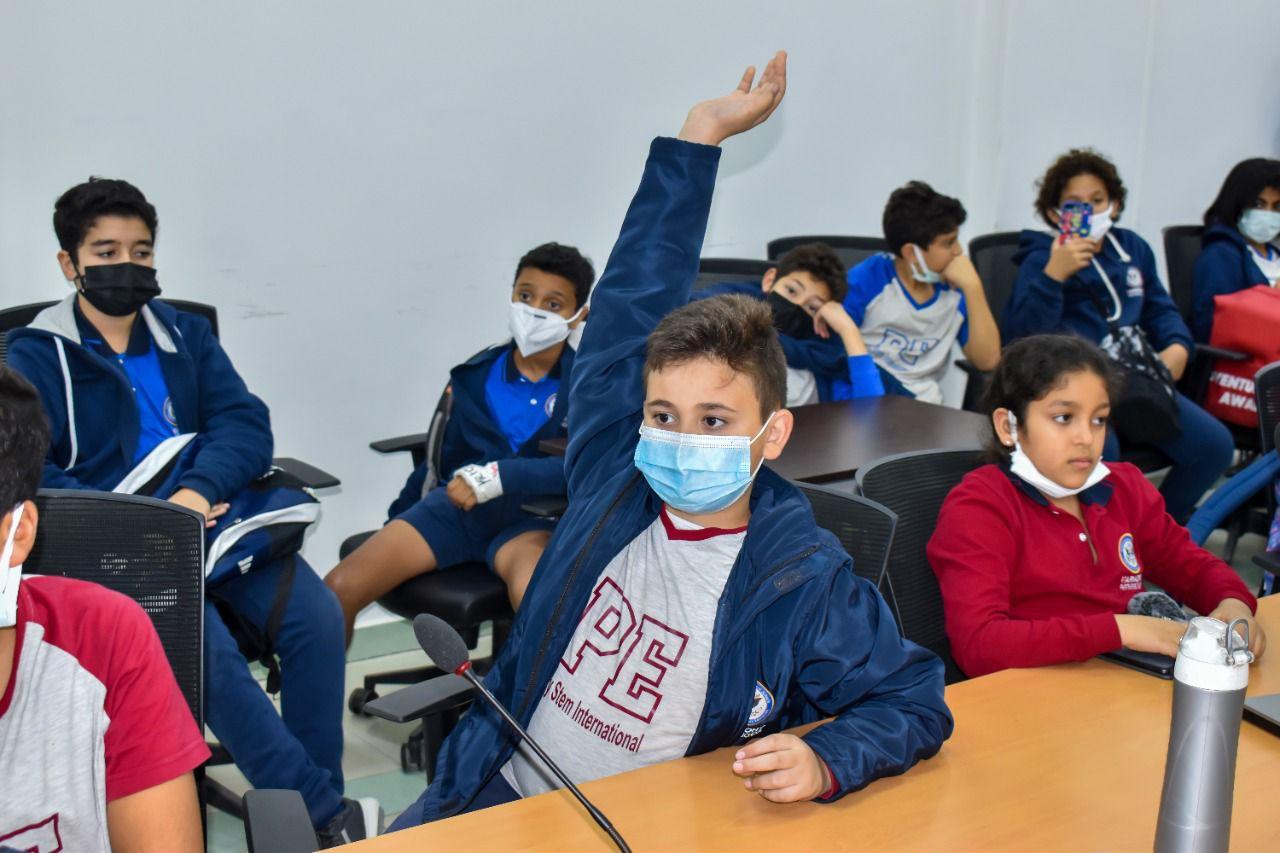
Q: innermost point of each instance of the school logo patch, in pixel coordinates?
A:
(550, 405)
(1129, 554)
(169, 414)
(761, 705)
(1133, 281)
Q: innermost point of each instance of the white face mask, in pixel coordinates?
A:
(10, 576)
(1100, 224)
(535, 331)
(1260, 226)
(1026, 470)
(920, 270)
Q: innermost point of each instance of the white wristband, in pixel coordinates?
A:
(484, 480)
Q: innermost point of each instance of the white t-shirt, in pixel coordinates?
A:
(629, 689)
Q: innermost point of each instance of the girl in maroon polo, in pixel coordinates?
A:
(1038, 553)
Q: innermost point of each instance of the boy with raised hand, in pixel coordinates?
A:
(690, 605)
(826, 356)
(916, 304)
(505, 400)
(123, 375)
(97, 744)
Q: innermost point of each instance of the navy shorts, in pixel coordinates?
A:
(457, 536)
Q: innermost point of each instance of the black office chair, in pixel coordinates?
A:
(850, 249)
(22, 315)
(149, 550)
(914, 485)
(992, 256)
(713, 271)
(466, 596)
(864, 528)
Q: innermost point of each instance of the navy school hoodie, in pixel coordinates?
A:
(1225, 265)
(95, 448)
(472, 437)
(1040, 305)
(793, 617)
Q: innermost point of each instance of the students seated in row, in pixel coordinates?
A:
(692, 603)
(1086, 283)
(826, 357)
(1240, 231)
(1039, 553)
(122, 377)
(916, 306)
(97, 743)
(505, 400)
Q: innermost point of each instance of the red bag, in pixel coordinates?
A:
(1246, 321)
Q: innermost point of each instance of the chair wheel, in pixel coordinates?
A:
(410, 758)
(359, 697)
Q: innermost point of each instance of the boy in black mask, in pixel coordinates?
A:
(826, 357)
(125, 378)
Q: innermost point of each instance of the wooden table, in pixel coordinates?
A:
(1067, 757)
(832, 441)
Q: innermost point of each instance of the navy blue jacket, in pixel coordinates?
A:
(793, 616)
(208, 396)
(472, 437)
(837, 375)
(1225, 266)
(1040, 305)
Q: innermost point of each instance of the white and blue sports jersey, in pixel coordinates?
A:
(912, 340)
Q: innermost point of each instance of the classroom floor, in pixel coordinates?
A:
(371, 760)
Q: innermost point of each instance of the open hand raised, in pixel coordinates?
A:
(712, 122)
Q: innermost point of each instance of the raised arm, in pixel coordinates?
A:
(650, 273)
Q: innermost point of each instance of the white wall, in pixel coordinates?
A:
(352, 183)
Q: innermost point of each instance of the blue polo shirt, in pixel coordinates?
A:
(519, 407)
(141, 366)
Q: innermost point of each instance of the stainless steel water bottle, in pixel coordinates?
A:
(1210, 676)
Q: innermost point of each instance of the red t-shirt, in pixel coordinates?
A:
(1020, 586)
(91, 713)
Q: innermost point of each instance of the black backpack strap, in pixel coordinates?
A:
(260, 643)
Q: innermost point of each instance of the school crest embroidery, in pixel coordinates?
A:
(550, 405)
(1133, 282)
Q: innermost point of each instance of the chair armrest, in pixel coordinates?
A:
(548, 506)
(970, 368)
(276, 821)
(1268, 561)
(400, 443)
(310, 475)
(419, 700)
(553, 446)
(1208, 351)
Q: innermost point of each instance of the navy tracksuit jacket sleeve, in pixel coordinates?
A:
(531, 476)
(1036, 304)
(35, 359)
(885, 693)
(1160, 318)
(649, 274)
(235, 427)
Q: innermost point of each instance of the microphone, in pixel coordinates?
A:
(447, 651)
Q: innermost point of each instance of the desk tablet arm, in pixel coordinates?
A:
(277, 822)
(433, 696)
(310, 475)
(1195, 380)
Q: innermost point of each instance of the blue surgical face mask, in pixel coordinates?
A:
(920, 270)
(697, 473)
(1260, 226)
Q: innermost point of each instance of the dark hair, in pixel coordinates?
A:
(78, 208)
(564, 261)
(819, 261)
(1030, 368)
(1246, 180)
(734, 329)
(917, 213)
(24, 439)
(1077, 161)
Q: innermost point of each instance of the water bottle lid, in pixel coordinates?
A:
(1210, 658)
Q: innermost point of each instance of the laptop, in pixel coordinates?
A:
(1264, 711)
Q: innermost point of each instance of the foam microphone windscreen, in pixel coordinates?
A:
(441, 643)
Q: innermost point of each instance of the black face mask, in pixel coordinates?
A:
(119, 290)
(790, 319)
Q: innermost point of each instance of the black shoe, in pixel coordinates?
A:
(359, 819)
